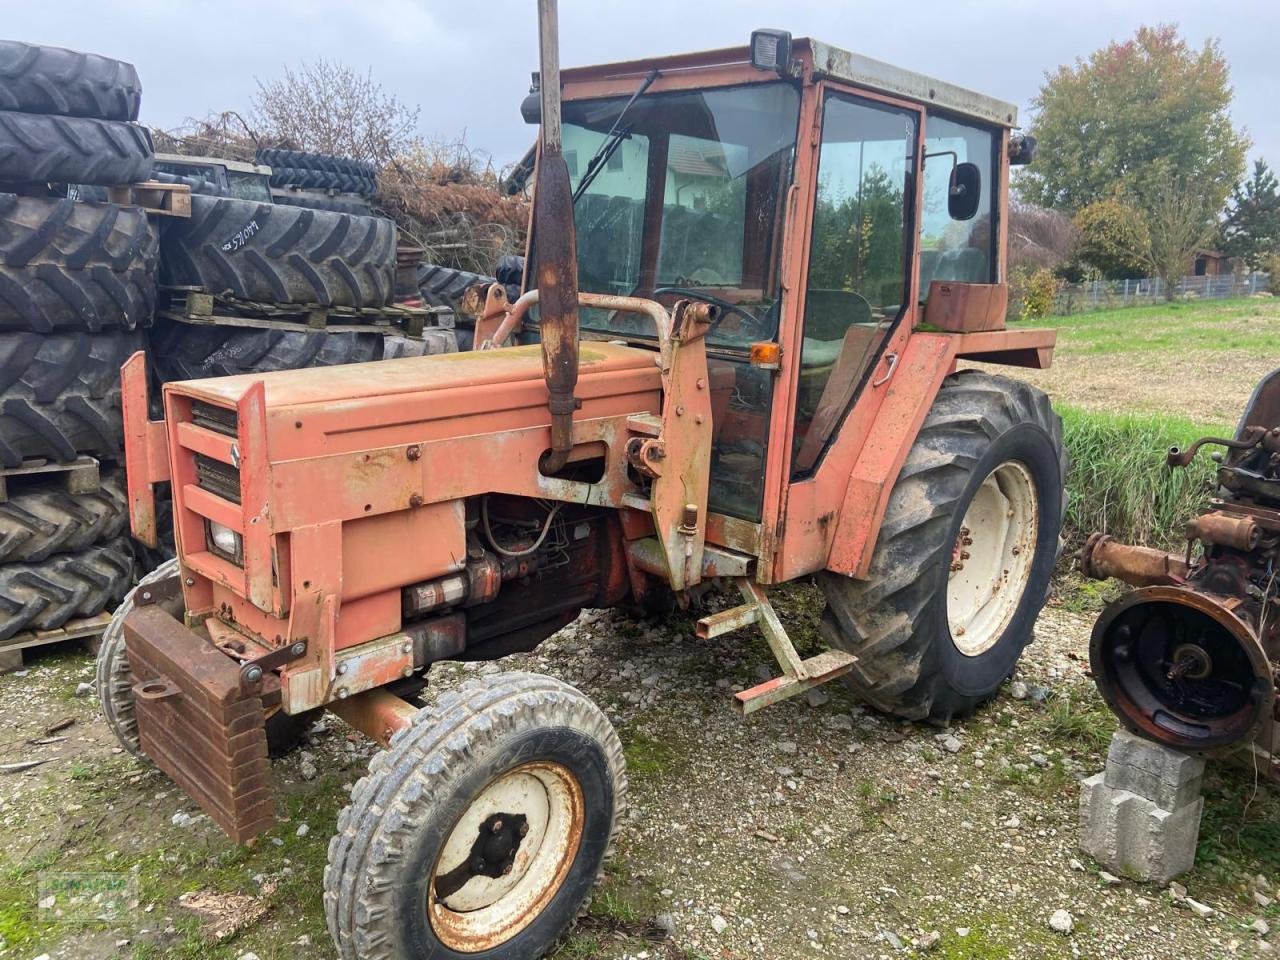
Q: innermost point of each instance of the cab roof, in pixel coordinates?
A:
(823, 61)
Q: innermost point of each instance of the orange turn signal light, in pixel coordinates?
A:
(766, 354)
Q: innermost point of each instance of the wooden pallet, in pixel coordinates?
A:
(80, 476)
(162, 199)
(194, 305)
(87, 630)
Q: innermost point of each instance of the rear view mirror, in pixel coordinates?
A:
(965, 191)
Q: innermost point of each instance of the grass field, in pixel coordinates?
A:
(1129, 384)
(1195, 361)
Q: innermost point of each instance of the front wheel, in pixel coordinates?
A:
(962, 565)
(483, 829)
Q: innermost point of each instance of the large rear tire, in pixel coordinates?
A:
(60, 395)
(45, 595)
(41, 148)
(270, 253)
(190, 352)
(962, 565)
(483, 828)
(37, 79)
(75, 265)
(39, 522)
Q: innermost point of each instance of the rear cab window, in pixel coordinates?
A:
(960, 250)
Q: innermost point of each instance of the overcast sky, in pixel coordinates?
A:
(467, 64)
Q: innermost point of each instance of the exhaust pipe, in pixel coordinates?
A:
(556, 251)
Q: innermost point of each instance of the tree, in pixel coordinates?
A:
(1179, 220)
(1112, 236)
(326, 107)
(1130, 117)
(1251, 229)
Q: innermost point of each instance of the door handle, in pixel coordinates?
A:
(893, 365)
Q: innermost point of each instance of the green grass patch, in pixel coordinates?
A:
(1078, 718)
(650, 757)
(1119, 484)
(1239, 830)
(1241, 324)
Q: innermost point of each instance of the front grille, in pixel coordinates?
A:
(218, 419)
(220, 479)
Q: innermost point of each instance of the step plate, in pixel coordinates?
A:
(196, 723)
(817, 669)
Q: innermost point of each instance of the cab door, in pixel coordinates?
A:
(858, 285)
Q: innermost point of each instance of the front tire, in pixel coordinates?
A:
(962, 565)
(483, 828)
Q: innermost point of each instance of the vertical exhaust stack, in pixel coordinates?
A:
(556, 251)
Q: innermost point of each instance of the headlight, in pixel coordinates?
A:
(225, 542)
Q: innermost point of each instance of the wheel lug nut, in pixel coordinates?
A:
(524, 830)
(496, 827)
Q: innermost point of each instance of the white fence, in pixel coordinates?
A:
(1106, 294)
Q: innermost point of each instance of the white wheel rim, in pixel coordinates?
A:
(487, 911)
(991, 558)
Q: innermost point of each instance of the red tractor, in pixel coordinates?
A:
(755, 272)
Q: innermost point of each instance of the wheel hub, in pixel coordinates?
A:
(506, 857)
(493, 854)
(991, 558)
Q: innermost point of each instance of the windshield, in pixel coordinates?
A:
(249, 186)
(688, 205)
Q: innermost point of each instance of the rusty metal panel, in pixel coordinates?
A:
(910, 395)
(966, 307)
(146, 449)
(198, 724)
(829, 61)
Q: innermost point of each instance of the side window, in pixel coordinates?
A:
(960, 250)
(858, 261)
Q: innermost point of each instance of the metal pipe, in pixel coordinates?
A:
(376, 713)
(556, 251)
(1103, 558)
(596, 301)
(1239, 533)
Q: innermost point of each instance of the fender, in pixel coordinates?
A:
(833, 519)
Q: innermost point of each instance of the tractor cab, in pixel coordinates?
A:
(814, 197)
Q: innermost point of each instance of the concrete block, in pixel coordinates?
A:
(1133, 835)
(10, 660)
(1168, 777)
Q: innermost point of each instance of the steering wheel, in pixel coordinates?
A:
(725, 306)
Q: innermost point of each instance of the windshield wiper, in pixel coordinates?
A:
(613, 139)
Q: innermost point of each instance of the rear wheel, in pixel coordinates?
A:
(962, 565)
(482, 829)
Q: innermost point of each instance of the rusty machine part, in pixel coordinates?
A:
(1191, 658)
(557, 256)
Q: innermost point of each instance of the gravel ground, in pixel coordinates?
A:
(816, 828)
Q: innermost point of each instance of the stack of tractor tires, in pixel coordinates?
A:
(268, 253)
(320, 181)
(281, 261)
(442, 286)
(77, 285)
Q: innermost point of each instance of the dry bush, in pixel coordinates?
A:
(445, 197)
(325, 107)
(1040, 239)
(226, 135)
